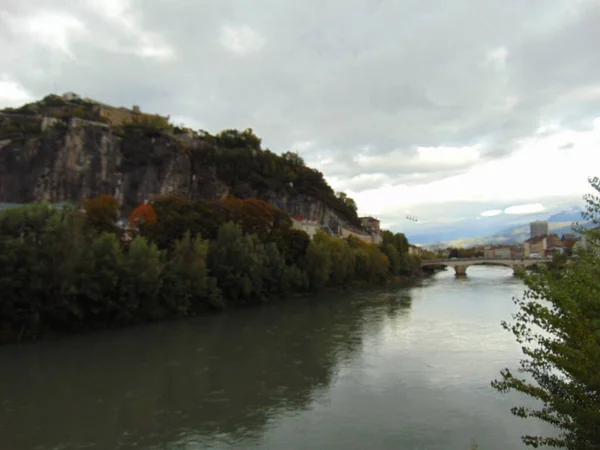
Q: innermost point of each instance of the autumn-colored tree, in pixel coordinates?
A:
(142, 215)
(101, 213)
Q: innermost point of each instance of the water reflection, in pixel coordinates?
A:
(394, 368)
(222, 376)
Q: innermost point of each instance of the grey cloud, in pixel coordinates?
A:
(354, 77)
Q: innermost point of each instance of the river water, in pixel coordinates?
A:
(394, 368)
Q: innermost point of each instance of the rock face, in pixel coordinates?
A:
(79, 160)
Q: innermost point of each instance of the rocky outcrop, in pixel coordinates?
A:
(69, 162)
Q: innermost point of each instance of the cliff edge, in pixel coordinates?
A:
(67, 149)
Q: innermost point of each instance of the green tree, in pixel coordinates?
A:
(293, 158)
(238, 263)
(186, 286)
(348, 201)
(40, 248)
(558, 326)
(391, 252)
(318, 262)
(276, 277)
(234, 139)
(141, 279)
(401, 243)
(99, 284)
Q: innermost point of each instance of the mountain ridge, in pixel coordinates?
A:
(560, 223)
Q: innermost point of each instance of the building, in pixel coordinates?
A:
(553, 241)
(370, 224)
(309, 225)
(535, 245)
(71, 96)
(538, 228)
(497, 252)
(488, 252)
(502, 252)
(369, 238)
(569, 245)
(517, 251)
(414, 250)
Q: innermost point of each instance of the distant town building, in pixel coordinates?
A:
(517, 251)
(535, 245)
(569, 245)
(414, 250)
(553, 241)
(370, 224)
(538, 228)
(497, 251)
(502, 252)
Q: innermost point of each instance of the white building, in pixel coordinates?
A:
(309, 226)
(71, 96)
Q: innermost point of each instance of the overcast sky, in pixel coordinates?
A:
(451, 111)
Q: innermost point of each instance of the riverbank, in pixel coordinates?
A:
(42, 334)
(65, 271)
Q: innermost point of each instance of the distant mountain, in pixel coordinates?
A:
(570, 215)
(559, 223)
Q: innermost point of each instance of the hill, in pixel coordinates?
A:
(67, 149)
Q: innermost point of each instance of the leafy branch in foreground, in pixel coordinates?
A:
(558, 327)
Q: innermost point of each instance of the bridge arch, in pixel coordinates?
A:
(460, 265)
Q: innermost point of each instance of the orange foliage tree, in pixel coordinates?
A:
(142, 215)
(101, 213)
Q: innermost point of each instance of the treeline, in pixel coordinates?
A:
(66, 269)
(251, 171)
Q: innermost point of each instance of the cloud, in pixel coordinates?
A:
(12, 93)
(497, 57)
(241, 39)
(491, 213)
(530, 208)
(50, 30)
(375, 95)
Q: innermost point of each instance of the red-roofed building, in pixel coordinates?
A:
(310, 225)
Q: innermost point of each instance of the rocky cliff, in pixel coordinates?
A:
(73, 159)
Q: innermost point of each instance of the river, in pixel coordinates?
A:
(394, 368)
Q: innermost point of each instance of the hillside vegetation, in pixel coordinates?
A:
(236, 157)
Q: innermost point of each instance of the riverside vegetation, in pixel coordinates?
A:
(558, 326)
(67, 270)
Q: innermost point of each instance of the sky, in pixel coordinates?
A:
(465, 115)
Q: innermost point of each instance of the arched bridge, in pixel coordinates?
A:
(460, 264)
